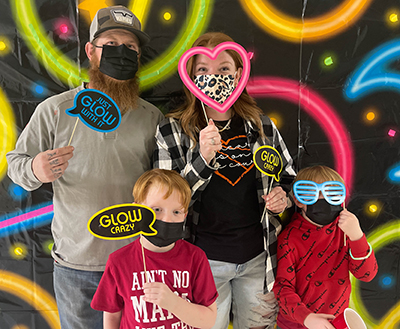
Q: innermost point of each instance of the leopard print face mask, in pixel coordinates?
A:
(216, 86)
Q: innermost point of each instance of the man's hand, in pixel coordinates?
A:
(319, 321)
(50, 165)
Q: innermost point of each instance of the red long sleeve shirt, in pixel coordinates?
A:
(313, 270)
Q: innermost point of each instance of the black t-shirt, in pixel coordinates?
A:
(229, 226)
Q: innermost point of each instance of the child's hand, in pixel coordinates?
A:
(276, 200)
(159, 293)
(319, 321)
(349, 224)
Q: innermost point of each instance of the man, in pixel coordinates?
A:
(102, 167)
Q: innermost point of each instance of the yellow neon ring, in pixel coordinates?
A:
(8, 137)
(159, 70)
(66, 70)
(379, 238)
(314, 29)
(33, 294)
(140, 8)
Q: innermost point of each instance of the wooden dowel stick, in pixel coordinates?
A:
(144, 260)
(73, 131)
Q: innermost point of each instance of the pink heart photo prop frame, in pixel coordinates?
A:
(213, 54)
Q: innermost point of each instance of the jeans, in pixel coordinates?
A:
(74, 291)
(240, 286)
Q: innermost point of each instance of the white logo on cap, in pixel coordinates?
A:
(122, 16)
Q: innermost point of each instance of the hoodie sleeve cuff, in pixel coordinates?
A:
(301, 313)
(360, 247)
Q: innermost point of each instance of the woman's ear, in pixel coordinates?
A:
(238, 75)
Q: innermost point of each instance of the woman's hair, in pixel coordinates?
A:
(190, 114)
(161, 178)
(319, 174)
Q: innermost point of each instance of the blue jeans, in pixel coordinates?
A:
(74, 291)
(240, 286)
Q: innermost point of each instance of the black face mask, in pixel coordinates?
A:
(168, 233)
(323, 213)
(119, 62)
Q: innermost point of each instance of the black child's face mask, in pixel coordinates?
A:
(119, 62)
(167, 233)
(323, 213)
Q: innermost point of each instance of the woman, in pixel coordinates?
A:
(214, 152)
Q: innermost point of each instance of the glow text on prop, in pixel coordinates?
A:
(122, 221)
(96, 109)
(268, 161)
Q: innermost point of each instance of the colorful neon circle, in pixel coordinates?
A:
(8, 135)
(382, 236)
(166, 64)
(314, 29)
(59, 65)
(375, 73)
(321, 112)
(33, 294)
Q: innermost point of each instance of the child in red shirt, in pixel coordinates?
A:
(312, 285)
(180, 292)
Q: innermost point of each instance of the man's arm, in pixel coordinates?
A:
(49, 165)
(36, 138)
(34, 161)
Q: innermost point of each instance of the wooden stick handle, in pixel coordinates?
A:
(144, 260)
(344, 207)
(73, 132)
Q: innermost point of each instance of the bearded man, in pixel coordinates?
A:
(102, 167)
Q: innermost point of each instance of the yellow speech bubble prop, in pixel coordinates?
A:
(122, 221)
(268, 160)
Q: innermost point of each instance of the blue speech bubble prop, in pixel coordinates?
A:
(96, 110)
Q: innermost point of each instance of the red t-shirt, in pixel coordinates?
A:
(184, 269)
(313, 270)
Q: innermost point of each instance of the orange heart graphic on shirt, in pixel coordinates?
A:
(245, 169)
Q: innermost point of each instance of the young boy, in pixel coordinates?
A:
(180, 292)
(312, 285)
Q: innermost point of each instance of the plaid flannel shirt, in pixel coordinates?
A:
(176, 151)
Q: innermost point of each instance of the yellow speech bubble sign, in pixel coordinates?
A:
(268, 160)
(122, 221)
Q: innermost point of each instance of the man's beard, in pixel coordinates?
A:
(124, 92)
